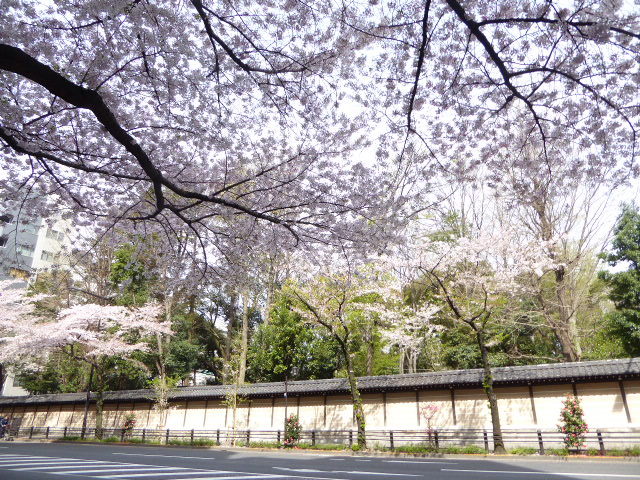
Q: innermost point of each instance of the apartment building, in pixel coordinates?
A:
(30, 244)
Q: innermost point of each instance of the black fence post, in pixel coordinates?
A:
(166, 438)
(192, 433)
(278, 436)
(46, 435)
(391, 445)
(601, 443)
(83, 433)
(64, 433)
(351, 438)
(122, 431)
(144, 434)
(31, 432)
(485, 437)
(248, 437)
(540, 443)
(436, 439)
(218, 437)
(313, 438)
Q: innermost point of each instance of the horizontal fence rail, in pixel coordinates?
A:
(435, 439)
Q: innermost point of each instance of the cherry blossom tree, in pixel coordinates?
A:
(408, 329)
(89, 333)
(16, 309)
(480, 280)
(339, 299)
(207, 115)
(250, 121)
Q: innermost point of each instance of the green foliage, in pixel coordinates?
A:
(625, 286)
(286, 347)
(572, 423)
(292, 431)
(129, 275)
(523, 451)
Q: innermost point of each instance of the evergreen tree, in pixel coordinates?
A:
(624, 286)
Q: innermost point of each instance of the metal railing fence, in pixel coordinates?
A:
(435, 439)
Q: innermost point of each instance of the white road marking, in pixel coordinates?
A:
(418, 461)
(612, 475)
(60, 462)
(123, 468)
(165, 456)
(156, 473)
(351, 472)
(61, 466)
(363, 460)
(256, 476)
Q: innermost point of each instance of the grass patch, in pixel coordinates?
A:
(197, 442)
(419, 448)
(264, 445)
(329, 446)
(624, 452)
(560, 452)
(467, 450)
(523, 451)
(110, 440)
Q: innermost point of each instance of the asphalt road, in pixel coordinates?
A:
(34, 461)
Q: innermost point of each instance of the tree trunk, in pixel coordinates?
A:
(244, 344)
(358, 410)
(99, 400)
(228, 346)
(370, 350)
(487, 385)
(99, 413)
(566, 330)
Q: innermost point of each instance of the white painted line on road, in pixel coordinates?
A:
(125, 468)
(363, 460)
(242, 477)
(351, 472)
(60, 466)
(158, 474)
(29, 464)
(24, 459)
(612, 475)
(418, 461)
(165, 456)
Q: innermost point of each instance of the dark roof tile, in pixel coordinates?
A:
(534, 374)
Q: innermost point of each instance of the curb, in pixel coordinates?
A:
(347, 453)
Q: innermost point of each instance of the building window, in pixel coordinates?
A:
(55, 235)
(47, 256)
(3, 240)
(24, 250)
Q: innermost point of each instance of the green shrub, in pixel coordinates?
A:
(523, 451)
(417, 448)
(572, 424)
(264, 445)
(110, 440)
(197, 442)
(624, 452)
(328, 446)
(71, 439)
(560, 452)
(467, 450)
(292, 431)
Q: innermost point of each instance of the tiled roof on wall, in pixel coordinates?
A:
(578, 372)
